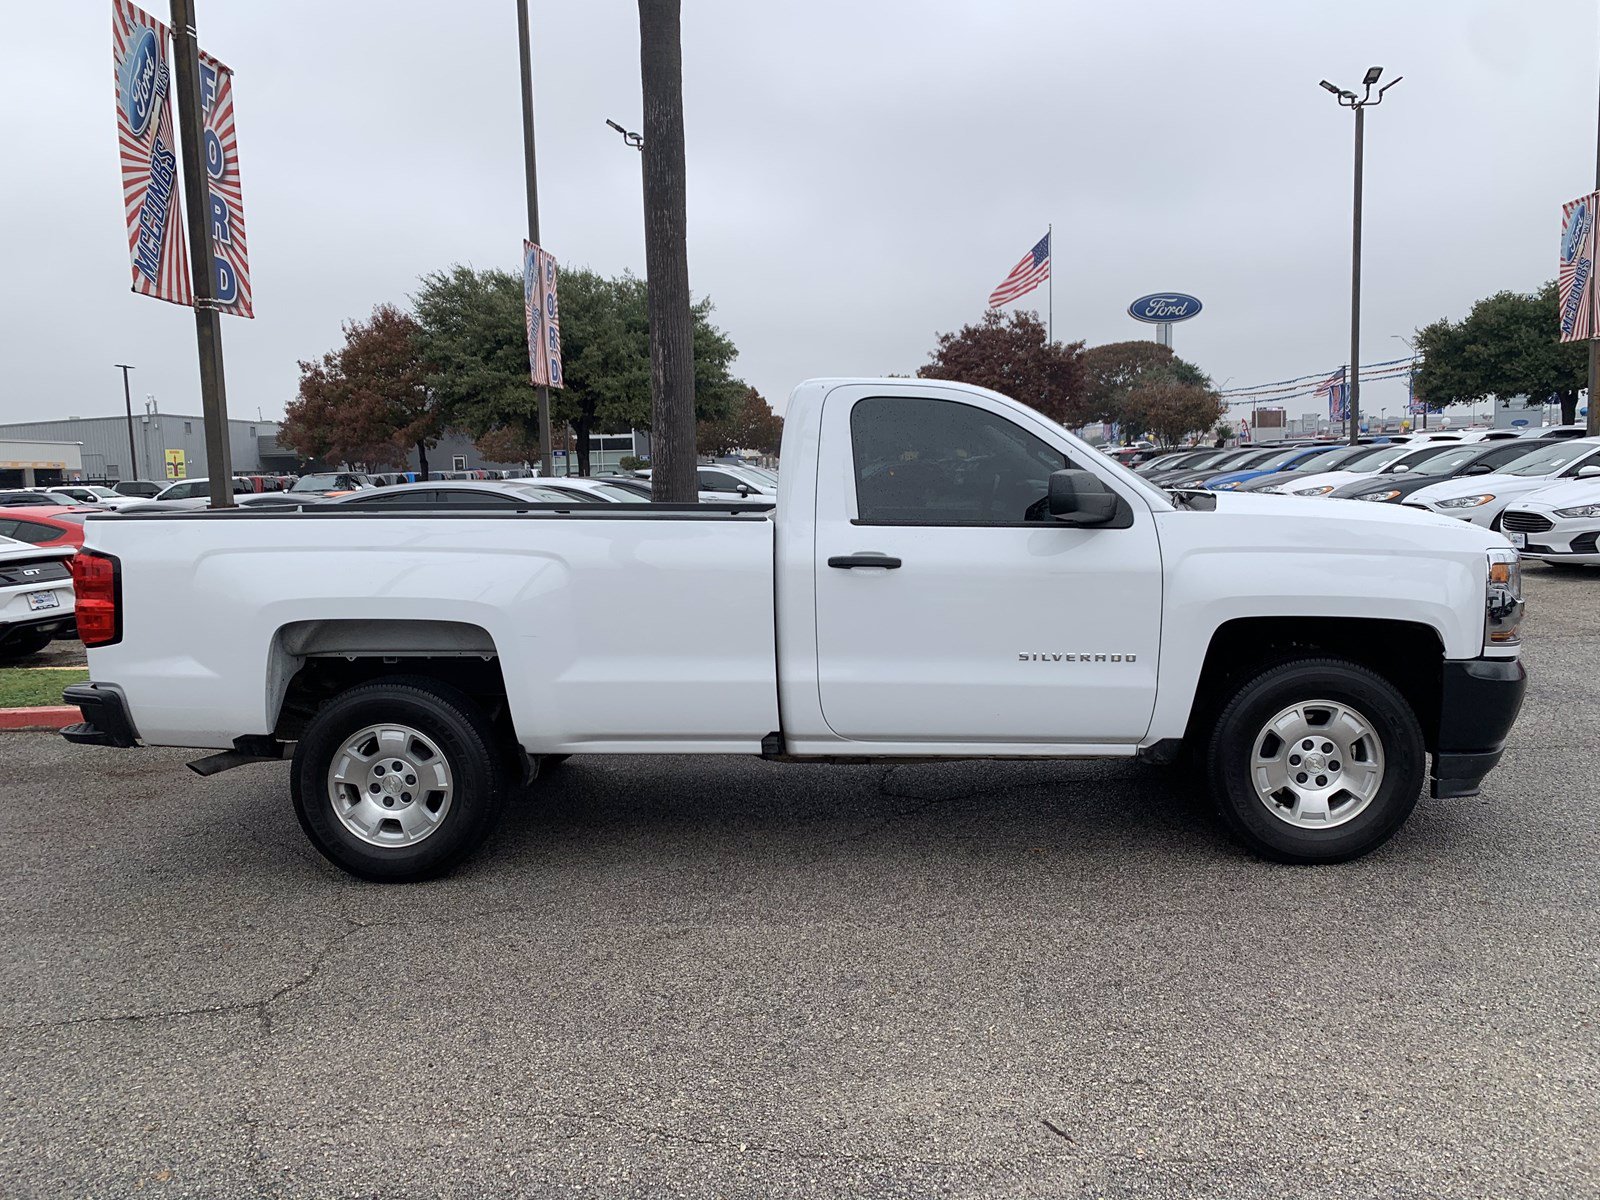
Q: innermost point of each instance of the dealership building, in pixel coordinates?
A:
(38, 452)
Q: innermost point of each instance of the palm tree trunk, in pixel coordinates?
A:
(666, 253)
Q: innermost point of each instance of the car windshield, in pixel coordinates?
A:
(1418, 455)
(1550, 459)
(316, 483)
(1377, 457)
(1447, 462)
(102, 491)
(1280, 458)
(1165, 461)
(1327, 460)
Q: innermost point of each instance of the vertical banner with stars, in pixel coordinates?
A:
(543, 316)
(148, 145)
(230, 267)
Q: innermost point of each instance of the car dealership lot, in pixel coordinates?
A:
(725, 977)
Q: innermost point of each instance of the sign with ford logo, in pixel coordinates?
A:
(138, 77)
(1160, 308)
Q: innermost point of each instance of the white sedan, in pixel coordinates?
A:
(35, 597)
(1482, 499)
(1559, 524)
(1392, 457)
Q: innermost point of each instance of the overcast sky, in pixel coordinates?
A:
(861, 174)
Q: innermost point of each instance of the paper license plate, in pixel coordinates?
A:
(41, 600)
(1519, 540)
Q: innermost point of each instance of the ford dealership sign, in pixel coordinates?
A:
(1161, 307)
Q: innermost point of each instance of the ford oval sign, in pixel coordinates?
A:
(1162, 307)
(138, 78)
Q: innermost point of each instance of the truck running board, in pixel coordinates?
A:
(246, 750)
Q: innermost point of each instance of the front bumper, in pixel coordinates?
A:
(1479, 700)
(105, 717)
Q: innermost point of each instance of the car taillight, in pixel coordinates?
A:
(97, 587)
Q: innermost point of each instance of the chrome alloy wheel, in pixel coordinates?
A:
(1317, 764)
(390, 785)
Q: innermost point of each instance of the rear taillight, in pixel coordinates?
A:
(97, 586)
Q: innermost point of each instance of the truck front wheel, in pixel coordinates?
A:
(397, 780)
(1314, 761)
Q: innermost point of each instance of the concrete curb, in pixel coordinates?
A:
(17, 720)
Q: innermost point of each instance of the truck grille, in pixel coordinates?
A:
(1526, 522)
(35, 570)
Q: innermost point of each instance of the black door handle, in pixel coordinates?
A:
(863, 560)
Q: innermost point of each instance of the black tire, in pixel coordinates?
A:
(23, 643)
(1243, 720)
(463, 735)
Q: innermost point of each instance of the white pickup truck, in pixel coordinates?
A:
(946, 574)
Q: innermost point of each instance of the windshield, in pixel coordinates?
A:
(618, 493)
(1377, 457)
(1326, 460)
(1549, 460)
(102, 491)
(316, 483)
(1280, 458)
(1446, 463)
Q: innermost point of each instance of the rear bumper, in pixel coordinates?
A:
(1478, 702)
(105, 717)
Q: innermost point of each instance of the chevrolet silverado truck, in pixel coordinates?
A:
(946, 574)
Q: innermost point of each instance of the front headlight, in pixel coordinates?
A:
(1502, 621)
(1316, 491)
(1583, 510)
(1380, 497)
(1226, 487)
(1467, 501)
(1275, 490)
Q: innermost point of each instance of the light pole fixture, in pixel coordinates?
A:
(633, 139)
(1349, 99)
(127, 401)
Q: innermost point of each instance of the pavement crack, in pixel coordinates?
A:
(260, 1007)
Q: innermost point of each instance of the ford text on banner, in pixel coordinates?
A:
(148, 144)
(230, 268)
(1575, 281)
(543, 316)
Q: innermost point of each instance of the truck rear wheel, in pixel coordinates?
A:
(398, 780)
(1316, 761)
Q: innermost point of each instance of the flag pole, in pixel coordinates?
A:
(1050, 284)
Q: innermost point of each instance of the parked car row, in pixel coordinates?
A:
(1542, 492)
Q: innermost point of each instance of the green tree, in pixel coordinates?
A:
(1507, 345)
(367, 402)
(1169, 410)
(474, 333)
(1012, 356)
(1113, 371)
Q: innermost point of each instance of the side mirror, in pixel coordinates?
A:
(1479, 469)
(1080, 498)
(1589, 472)
(743, 489)
(1398, 468)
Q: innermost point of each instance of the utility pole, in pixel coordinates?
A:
(1593, 421)
(127, 400)
(197, 203)
(531, 173)
(1350, 100)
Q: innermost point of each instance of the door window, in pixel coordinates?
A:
(939, 462)
(718, 481)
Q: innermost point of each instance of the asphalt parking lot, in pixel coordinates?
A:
(731, 978)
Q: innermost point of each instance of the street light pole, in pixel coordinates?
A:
(1349, 99)
(531, 174)
(1593, 423)
(127, 400)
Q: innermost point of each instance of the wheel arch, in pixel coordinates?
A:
(1408, 654)
(310, 661)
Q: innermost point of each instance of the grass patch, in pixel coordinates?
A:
(34, 687)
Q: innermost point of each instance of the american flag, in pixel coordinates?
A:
(1338, 393)
(1028, 274)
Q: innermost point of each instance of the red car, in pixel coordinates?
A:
(45, 525)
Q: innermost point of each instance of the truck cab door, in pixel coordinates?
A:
(950, 606)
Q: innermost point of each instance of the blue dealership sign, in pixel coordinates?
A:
(1159, 308)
